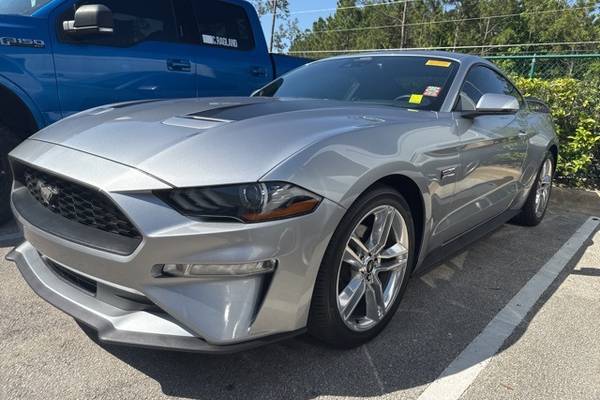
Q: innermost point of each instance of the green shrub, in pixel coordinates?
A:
(575, 106)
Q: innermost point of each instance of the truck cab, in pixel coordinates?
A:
(59, 57)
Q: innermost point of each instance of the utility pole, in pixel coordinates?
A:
(274, 9)
(402, 30)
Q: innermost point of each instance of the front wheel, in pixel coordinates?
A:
(364, 271)
(535, 206)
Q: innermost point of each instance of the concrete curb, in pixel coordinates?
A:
(576, 200)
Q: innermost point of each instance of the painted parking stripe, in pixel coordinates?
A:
(461, 373)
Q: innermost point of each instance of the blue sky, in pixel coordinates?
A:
(305, 19)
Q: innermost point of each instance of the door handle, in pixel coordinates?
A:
(523, 133)
(258, 71)
(179, 65)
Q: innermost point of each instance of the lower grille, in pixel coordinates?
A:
(87, 285)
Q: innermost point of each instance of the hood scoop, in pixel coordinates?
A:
(194, 122)
(268, 106)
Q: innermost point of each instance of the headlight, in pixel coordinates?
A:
(252, 202)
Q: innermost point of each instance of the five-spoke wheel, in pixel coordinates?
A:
(364, 271)
(373, 264)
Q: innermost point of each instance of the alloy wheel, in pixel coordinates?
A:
(372, 268)
(544, 185)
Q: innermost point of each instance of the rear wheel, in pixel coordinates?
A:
(8, 141)
(535, 206)
(365, 270)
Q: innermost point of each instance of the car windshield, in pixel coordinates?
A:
(402, 81)
(21, 7)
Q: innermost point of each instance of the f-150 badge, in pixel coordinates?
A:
(21, 42)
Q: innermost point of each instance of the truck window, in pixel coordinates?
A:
(21, 7)
(135, 21)
(222, 24)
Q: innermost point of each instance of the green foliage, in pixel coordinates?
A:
(286, 28)
(450, 23)
(575, 106)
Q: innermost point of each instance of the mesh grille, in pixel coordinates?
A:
(77, 203)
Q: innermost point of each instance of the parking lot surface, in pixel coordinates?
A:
(552, 354)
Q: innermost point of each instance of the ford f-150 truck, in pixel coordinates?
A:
(58, 57)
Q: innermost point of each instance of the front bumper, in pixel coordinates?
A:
(114, 325)
(193, 314)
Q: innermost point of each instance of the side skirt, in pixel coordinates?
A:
(456, 245)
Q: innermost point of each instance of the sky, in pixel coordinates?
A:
(305, 20)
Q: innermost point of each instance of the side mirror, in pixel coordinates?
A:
(494, 104)
(90, 19)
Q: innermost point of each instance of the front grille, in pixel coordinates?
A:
(77, 203)
(86, 284)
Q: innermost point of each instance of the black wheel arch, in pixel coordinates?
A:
(16, 114)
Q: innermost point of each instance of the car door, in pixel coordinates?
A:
(493, 151)
(229, 48)
(141, 59)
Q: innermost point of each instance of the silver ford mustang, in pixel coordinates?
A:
(214, 225)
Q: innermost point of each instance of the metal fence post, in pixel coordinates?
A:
(532, 67)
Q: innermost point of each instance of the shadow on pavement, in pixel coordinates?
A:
(10, 234)
(441, 313)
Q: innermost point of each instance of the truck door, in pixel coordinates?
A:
(141, 59)
(229, 47)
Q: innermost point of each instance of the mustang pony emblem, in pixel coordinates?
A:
(47, 192)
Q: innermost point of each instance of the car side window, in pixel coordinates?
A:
(481, 80)
(222, 24)
(135, 21)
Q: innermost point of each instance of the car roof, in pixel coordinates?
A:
(462, 58)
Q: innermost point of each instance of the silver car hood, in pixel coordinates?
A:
(199, 142)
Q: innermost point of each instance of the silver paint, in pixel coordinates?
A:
(337, 152)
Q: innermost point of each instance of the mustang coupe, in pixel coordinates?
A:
(214, 225)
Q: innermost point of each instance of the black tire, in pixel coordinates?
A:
(528, 215)
(325, 322)
(8, 141)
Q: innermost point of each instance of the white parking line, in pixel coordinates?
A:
(461, 373)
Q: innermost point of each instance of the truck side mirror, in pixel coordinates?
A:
(90, 19)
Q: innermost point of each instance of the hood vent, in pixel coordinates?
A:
(239, 112)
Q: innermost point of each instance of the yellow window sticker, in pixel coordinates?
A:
(415, 99)
(438, 63)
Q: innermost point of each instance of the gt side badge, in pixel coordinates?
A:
(448, 173)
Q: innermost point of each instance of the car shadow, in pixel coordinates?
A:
(442, 311)
(10, 234)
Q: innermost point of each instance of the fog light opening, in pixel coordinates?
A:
(199, 270)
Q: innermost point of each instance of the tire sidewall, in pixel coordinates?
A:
(332, 260)
(539, 219)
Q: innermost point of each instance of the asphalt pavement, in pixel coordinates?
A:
(552, 354)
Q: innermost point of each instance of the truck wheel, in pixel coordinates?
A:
(8, 141)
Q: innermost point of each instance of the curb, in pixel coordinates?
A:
(576, 200)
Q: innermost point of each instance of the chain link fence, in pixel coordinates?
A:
(550, 66)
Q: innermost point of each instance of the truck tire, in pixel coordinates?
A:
(8, 141)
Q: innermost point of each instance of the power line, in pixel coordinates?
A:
(451, 20)
(450, 47)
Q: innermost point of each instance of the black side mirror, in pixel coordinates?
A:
(90, 19)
